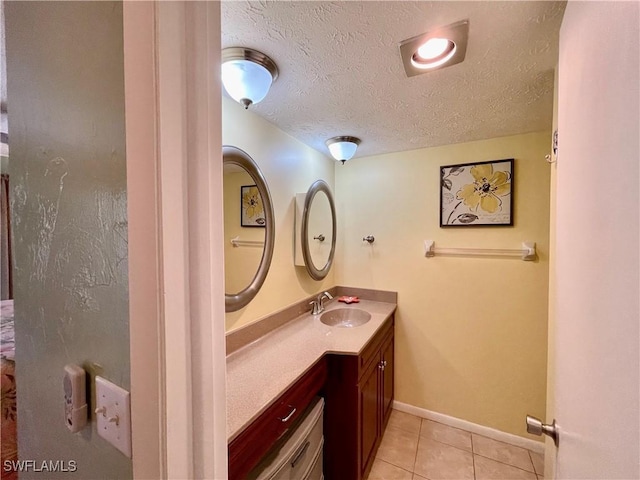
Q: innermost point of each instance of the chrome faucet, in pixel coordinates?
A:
(317, 305)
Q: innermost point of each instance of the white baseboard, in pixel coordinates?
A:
(471, 427)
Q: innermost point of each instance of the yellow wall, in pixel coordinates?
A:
(471, 334)
(289, 167)
(240, 263)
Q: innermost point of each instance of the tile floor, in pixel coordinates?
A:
(414, 448)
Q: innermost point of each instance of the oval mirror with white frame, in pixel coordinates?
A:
(249, 228)
(318, 230)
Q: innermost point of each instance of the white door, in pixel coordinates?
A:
(597, 267)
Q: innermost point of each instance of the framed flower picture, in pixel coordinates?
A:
(251, 207)
(477, 194)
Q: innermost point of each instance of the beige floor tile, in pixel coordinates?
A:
(540, 477)
(487, 469)
(404, 421)
(437, 461)
(382, 470)
(446, 434)
(502, 452)
(418, 477)
(538, 462)
(398, 447)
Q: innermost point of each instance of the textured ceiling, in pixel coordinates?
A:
(341, 71)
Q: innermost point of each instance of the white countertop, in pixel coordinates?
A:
(260, 372)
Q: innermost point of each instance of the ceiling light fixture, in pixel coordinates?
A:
(343, 148)
(247, 74)
(436, 49)
(433, 53)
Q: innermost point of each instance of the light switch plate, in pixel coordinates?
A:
(113, 414)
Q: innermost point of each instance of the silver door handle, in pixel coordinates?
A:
(536, 427)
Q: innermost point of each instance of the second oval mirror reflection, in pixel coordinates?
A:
(318, 230)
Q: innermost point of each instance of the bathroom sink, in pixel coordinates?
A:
(345, 317)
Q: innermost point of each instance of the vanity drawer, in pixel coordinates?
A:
(292, 458)
(246, 450)
(315, 472)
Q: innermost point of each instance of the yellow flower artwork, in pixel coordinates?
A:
(252, 208)
(477, 194)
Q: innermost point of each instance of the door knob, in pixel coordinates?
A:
(536, 427)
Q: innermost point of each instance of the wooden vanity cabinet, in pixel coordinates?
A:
(246, 450)
(358, 400)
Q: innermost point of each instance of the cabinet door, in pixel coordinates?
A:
(387, 381)
(368, 416)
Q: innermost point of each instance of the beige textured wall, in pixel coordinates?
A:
(65, 66)
(289, 167)
(471, 335)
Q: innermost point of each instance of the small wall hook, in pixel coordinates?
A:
(369, 238)
(319, 238)
(553, 158)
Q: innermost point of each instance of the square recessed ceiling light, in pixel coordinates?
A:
(439, 48)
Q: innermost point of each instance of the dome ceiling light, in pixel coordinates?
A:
(247, 74)
(343, 148)
(436, 49)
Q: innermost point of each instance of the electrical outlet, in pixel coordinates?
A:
(113, 414)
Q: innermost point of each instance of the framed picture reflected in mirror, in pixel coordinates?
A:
(251, 207)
